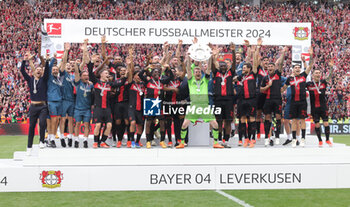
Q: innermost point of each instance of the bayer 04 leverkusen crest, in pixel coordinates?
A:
(301, 33)
(51, 179)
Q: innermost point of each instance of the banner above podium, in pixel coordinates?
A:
(158, 32)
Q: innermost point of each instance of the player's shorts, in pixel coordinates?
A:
(298, 109)
(247, 107)
(55, 108)
(287, 110)
(135, 115)
(318, 113)
(82, 115)
(121, 110)
(260, 98)
(67, 108)
(273, 106)
(226, 109)
(102, 115)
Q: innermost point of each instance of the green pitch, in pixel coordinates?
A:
(257, 198)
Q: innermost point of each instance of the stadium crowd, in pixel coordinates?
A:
(20, 28)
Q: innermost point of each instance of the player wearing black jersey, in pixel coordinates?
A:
(102, 109)
(271, 87)
(319, 109)
(173, 99)
(298, 105)
(223, 95)
(261, 97)
(136, 94)
(247, 104)
(154, 89)
(122, 102)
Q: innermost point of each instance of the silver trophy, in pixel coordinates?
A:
(199, 52)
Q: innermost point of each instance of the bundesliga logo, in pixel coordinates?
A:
(51, 179)
(54, 28)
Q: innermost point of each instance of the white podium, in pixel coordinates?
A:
(192, 168)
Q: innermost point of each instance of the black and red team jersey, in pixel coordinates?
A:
(248, 83)
(317, 93)
(260, 76)
(122, 92)
(102, 90)
(274, 92)
(154, 88)
(136, 93)
(298, 86)
(223, 86)
(171, 96)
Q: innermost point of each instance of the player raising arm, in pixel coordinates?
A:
(298, 105)
(198, 90)
(319, 109)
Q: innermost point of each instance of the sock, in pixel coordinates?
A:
(85, 139)
(267, 125)
(151, 132)
(327, 132)
(152, 129)
(162, 136)
(183, 135)
(240, 133)
(104, 138)
(128, 133)
(298, 137)
(220, 136)
(168, 128)
(70, 136)
(96, 138)
(186, 138)
(76, 139)
(148, 137)
(215, 135)
(257, 127)
(227, 137)
(289, 137)
(251, 130)
(138, 137)
(177, 129)
(61, 136)
(278, 128)
(294, 134)
(244, 130)
(318, 133)
(303, 132)
(120, 132)
(131, 135)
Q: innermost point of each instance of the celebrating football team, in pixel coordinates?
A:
(107, 93)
